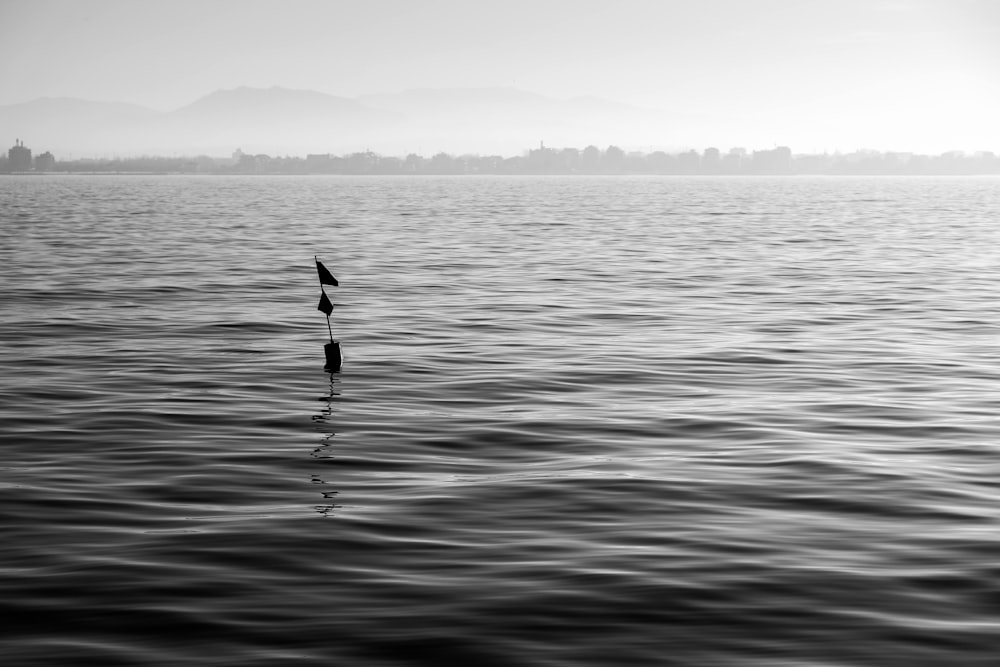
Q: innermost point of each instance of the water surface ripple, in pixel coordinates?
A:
(582, 421)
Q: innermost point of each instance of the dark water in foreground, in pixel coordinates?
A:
(650, 421)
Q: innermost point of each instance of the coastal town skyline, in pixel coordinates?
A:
(544, 160)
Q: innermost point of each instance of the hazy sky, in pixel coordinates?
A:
(890, 74)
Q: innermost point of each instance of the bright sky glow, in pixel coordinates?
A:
(916, 75)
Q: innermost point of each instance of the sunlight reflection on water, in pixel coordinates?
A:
(581, 420)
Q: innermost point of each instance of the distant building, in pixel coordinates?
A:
(711, 160)
(776, 161)
(45, 162)
(735, 160)
(689, 162)
(19, 157)
(319, 163)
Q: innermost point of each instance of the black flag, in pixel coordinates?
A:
(324, 303)
(325, 277)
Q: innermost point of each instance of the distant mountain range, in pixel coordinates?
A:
(280, 121)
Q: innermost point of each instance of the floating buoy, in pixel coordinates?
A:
(334, 357)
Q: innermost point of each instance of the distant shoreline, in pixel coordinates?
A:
(590, 161)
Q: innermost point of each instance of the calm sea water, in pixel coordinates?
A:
(582, 421)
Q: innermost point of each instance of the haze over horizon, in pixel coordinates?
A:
(817, 75)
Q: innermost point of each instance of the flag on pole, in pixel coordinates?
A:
(325, 277)
(324, 304)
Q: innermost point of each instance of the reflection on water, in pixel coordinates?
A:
(325, 450)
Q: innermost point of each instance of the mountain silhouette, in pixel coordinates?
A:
(275, 105)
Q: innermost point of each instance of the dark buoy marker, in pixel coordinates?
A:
(334, 357)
